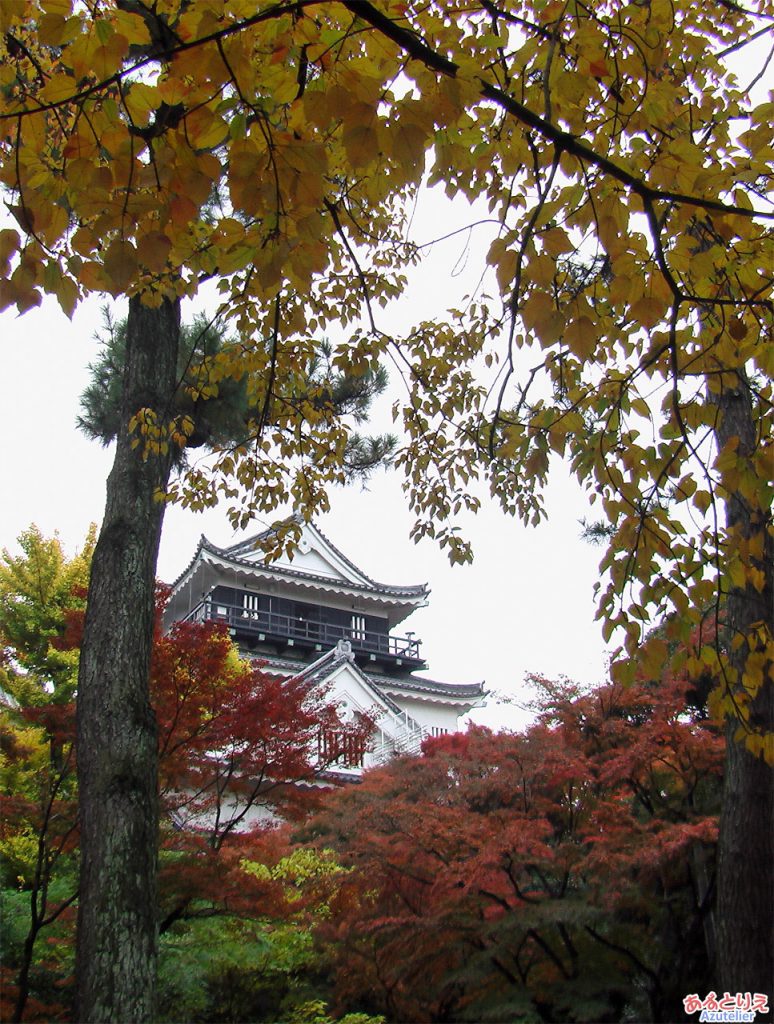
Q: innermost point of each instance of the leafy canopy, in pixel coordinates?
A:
(41, 589)
(625, 297)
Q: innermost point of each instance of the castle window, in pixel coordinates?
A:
(358, 626)
(337, 746)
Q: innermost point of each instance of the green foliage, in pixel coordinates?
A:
(193, 956)
(225, 969)
(52, 963)
(316, 1012)
(14, 910)
(221, 412)
(218, 409)
(43, 596)
(40, 588)
(300, 871)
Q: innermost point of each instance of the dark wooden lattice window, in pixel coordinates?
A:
(337, 746)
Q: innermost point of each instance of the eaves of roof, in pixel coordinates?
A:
(413, 684)
(405, 684)
(203, 543)
(321, 669)
(419, 590)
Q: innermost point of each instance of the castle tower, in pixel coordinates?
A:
(319, 616)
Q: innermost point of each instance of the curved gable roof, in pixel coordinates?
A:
(316, 561)
(315, 555)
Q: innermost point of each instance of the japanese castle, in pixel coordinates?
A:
(317, 615)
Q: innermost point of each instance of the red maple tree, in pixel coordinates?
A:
(239, 753)
(561, 874)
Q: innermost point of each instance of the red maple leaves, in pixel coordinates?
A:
(571, 865)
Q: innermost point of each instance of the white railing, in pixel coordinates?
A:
(407, 738)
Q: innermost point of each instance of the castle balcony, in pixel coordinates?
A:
(257, 628)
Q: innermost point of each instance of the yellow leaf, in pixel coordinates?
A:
(9, 244)
(538, 305)
(61, 8)
(736, 572)
(58, 88)
(182, 210)
(82, 241)
(140, 100)
(570, 87)
(52, 275)
(67, 294)
(768, 748)
(648, 311)
(120, 265)
(28, 299)
(58, 222)
(610, 235)
(97, 53)
(408, 146)
(622, 289)
(539, 316)
(556, 241)
(581, 337)
(361, 144)
(132, 27)
(654, 657)
(685, 488)
(153, 251)
(7, 293)
(205, 129)
(761, 746)
(702, 500)
(641, 407)
(230, 231)
(12, 12)
(92, 277)
(81, 146)
(317, 108)
(542, 270)
(506, 269)
(172, 90)
(57, 29)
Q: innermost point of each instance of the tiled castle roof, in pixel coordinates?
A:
(408, 683)
(235, 556)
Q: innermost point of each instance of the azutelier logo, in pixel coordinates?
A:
(742, 1006)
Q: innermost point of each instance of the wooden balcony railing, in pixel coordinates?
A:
(274, 627)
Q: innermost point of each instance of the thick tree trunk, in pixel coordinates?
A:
(745, 908)
(117, 749)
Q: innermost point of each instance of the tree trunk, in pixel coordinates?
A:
(745, 909)
(117, 747)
